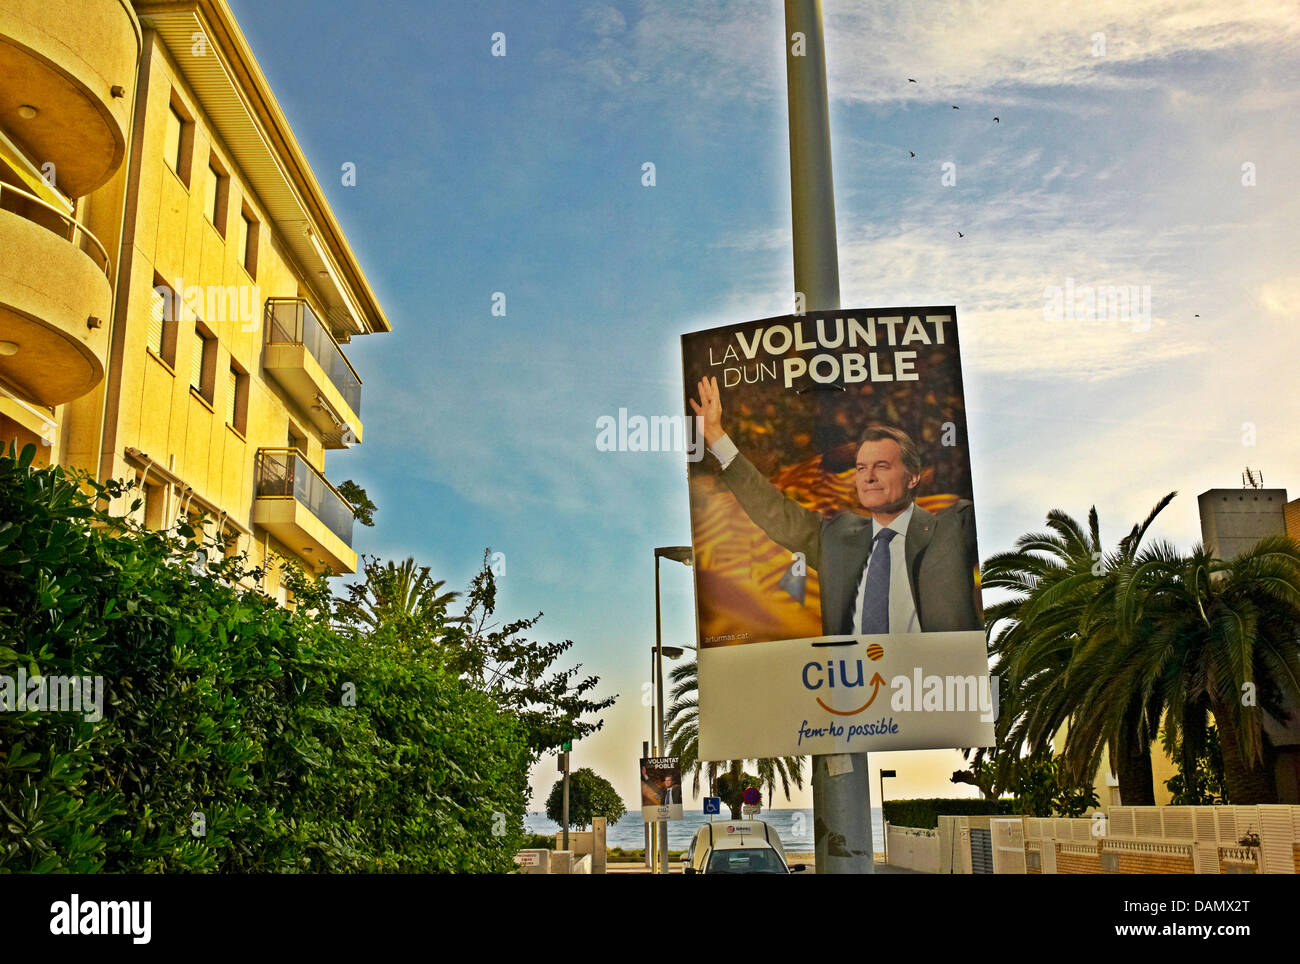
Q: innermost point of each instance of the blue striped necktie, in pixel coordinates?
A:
(875, 601)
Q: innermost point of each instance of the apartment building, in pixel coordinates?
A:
(175, 293)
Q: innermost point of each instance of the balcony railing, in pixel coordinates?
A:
(19, 201)
(285, 474)
(290, 321)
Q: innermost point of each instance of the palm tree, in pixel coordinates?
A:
(1226, 644)
(1060, 615)
(400, 598)
(681, 725)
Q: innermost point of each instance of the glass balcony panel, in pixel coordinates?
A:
(291, 321)
(284, 473)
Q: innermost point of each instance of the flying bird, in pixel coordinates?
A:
(911, 80)
(1197, 316)
(913, 153)
(996, 121)
(955, 107)
(960, 235)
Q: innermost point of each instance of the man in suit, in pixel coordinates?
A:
(902, 570)
(672, 793)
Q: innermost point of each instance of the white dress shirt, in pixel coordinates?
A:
(902, 608)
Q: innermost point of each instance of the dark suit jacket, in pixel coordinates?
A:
(940, 552)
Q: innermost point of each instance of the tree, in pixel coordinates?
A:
(362, 508)
(1063, 611)
(1226, 647)
(399, 600)
(590, 795)
(1203, 784)
(552, 705)
(731, 787)
(1043, 790)
(402, 602)
(294, 748)
(681, 729)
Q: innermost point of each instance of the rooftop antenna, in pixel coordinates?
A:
(1252, 479)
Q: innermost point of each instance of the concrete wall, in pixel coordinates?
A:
(1233, 520)
(912, 848)
(591, 842)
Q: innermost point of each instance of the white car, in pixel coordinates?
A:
(737, 847)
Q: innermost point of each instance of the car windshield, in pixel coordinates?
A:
(756, 861)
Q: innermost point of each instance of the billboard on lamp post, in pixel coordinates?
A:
(833, 527)
(661, 788)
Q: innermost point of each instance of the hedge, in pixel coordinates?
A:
(924, 814)
(236, 736)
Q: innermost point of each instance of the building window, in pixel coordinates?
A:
(203, 362)
(162, 322)
(230, 543)
(216, 195)
(246, 242)
(237, 398)
(178, 142)
(152, 508)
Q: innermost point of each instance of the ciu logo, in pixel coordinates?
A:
(844, 674)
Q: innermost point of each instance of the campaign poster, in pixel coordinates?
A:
(833, 526)
(661, 788)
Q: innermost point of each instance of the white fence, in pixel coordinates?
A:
(1209, 837)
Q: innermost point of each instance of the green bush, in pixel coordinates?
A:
(924, 814)
(289, 747)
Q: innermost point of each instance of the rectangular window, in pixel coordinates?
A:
(210, 195)
(246, 242)
(216, 196)
(172, 141)
(162, 322)
(237, 398)
(157, 314)
(178, 139)
(230, 543)
(203, 362)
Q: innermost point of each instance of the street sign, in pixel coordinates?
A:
(752, 796)
(712, 805)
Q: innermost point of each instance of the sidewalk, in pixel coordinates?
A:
(806, 859)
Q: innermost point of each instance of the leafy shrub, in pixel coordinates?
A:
(236, 735)
(924, 814)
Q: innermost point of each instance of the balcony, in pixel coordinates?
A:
(303, 357)
(55, 300)
(299, 507)
(69, 69)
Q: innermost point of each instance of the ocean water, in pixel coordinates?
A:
(794, 826)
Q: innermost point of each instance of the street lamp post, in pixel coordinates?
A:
(686, 556)
(645, 752)
(885, 823)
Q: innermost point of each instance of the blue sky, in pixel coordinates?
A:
(522, 174)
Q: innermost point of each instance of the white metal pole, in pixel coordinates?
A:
(841, 783)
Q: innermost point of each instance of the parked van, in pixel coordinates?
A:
(737, 847)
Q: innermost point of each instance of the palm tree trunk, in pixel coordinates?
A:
(1246, 781)
(1133, 763)
(737, 772)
